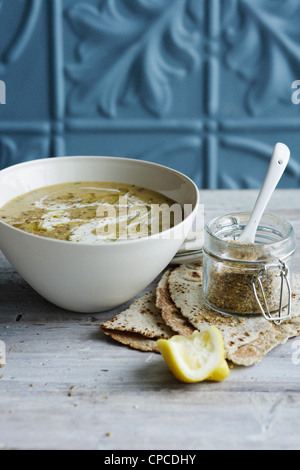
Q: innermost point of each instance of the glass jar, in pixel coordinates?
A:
(249, 279)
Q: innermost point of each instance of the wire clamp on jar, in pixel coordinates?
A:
(284, 274)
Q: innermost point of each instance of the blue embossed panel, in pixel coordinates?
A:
(203, 86)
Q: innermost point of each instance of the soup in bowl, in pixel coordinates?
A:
(90, 233)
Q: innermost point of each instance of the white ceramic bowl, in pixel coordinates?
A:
(92, 278)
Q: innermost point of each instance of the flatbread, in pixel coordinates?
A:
(134, 340)
(177, 307)
(246, 339)
(170, 313)
(251, 354)
(141, 322)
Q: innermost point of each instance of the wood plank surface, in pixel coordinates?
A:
(67, 386)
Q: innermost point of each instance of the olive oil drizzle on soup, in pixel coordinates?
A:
(87, 212)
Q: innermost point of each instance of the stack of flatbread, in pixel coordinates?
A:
(177, 307)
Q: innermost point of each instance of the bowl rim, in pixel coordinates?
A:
(129, 160)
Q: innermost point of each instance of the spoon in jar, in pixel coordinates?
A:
(279, 162)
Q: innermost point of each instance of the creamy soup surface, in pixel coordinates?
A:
(88, 212)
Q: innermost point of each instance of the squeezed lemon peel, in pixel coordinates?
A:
(197, 357)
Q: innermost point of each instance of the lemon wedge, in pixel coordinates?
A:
(197, 357)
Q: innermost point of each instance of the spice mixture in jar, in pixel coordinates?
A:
(248, 279)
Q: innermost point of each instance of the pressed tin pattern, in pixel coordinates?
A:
(203, 86)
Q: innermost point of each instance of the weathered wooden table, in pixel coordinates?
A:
(67, 386)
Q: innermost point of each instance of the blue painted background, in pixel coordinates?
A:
(203, 86)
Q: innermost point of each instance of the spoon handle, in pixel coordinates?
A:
(279, 162)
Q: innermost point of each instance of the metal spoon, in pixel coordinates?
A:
(279, 162)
